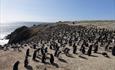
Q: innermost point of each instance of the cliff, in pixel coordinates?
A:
(25, 33)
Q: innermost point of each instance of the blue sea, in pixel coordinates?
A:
(6, 29)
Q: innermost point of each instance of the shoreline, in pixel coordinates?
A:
(4, 41)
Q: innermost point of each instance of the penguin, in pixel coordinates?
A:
(43, 58)
(34, 46)
(96, 48)
(15, 67)
(89, 50)
(113, 51)
(74, 48)
(51, 59)
(27, 52)
(26, 62)
(82, 49)
(34, 55)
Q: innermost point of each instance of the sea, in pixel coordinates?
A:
(7, 28)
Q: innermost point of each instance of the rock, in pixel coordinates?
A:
(20, 34)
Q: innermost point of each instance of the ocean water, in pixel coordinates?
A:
(6, 29)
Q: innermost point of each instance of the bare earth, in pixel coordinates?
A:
(96, 62)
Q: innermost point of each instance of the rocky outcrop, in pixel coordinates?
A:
(25, 33)
(20, 34)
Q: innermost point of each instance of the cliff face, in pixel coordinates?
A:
(25, 33)
(20, 34)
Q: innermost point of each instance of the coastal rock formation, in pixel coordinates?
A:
(25, 33)
(20, 34)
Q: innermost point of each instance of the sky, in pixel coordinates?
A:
(56, 10)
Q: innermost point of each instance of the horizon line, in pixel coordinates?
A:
(62, 21)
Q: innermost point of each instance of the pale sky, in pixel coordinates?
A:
(55, 10)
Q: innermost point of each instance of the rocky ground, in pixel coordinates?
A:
(76, 62)
(94, 62)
